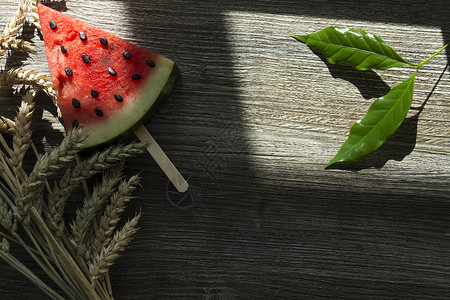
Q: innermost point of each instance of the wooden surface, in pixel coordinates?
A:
(252, 123)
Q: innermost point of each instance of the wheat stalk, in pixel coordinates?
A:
(6, 125)
(28, 77)
(46, 165)
(21, 202)
(53, 160)
(16, 22)
(35, 15)
(116, 154)
(11, 43)
(22, 132)
(6, 216)
(5, 166)
(66, 260)
(105, 259)
(8, 39)
(112, 213)
(90, 210)
(57, 202)
(4, 246)
(33, 78)
(107, 158)
(85, 169)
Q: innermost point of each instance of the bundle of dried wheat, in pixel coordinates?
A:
(77, 257)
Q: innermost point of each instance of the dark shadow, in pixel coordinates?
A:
(421, 12)
(173, 237)
(396, 147)
(56, 5)
(41, 126)
(369, 83)
(9, 100)
(291, 239)
(15, 59)
(177, 41)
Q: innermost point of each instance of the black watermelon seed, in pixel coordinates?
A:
(103, 41)
(118, 97)
(98, 112)
(86, 58)
(83, 36)
(75, 123)
(52, 25)
(136, 76)
(63, 49)
(112, 71)
(94, 93)
(126, 54)
(76, 103)
(150, 63)
(68, 71)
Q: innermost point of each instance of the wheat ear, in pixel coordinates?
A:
(28, 77)
(16, 22)
(107, 158)
(105, 259)
(46, 165)
(4, 246)
(15, 44)
(22, 132)
(87, 168)
(6, 125)
(90, 210)
(112, 213)
(35, 15)
(59, 195)
(6, 216)
(8, 39)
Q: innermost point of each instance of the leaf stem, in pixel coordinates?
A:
(431, 57)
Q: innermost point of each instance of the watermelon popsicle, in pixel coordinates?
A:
(106, 84)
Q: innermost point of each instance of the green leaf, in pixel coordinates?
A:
(357, 48)
(381, 121)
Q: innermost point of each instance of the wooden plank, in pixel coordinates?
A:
(252, 123)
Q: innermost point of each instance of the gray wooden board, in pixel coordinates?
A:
(252, 123)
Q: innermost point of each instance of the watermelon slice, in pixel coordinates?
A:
(102, 82)
(106, 84)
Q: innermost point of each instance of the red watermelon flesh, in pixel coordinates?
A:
(102, 82)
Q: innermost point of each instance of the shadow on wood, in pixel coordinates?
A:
(369, 83)
(396, 147)
(284, 230)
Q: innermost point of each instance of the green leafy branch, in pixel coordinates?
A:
(365, 51)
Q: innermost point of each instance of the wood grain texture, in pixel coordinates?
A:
(253, 121)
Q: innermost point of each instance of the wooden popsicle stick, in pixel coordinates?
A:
(162, 160)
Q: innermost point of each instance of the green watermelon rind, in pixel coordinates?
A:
(125, 132)
(117, 120)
